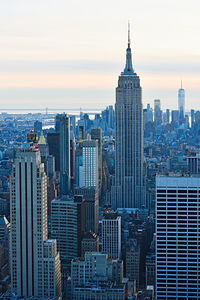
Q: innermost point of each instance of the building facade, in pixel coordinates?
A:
(111, 234)
(28, 211)
(62, 126)
(68, 227)
(177, 238)
(128, 191)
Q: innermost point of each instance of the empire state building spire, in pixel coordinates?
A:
(128, 190)
(128, 68)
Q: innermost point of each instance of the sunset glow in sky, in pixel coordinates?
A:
(69, 54)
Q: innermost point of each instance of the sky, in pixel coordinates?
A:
(69, 54)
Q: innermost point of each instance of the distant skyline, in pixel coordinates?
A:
(61, 54)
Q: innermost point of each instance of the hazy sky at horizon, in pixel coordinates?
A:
(58, 53)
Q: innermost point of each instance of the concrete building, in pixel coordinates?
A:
(68, 227)
(111, 234)
(28, 214)
(177, 238)
(91, 198)
(95, 267)
(194, 164)
(103, 291)
(133, 261)
(128, 190)
(89, 243)
(90, 169)
(52, 274)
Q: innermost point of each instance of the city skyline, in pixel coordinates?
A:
(56, 52)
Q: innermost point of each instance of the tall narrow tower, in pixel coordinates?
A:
(128, 191)
(181, 103)
(30, 264)
(62, 126)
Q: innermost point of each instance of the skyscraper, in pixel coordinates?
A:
(181, 103)
(128, 191)
(157, 111)
(62, 127)
(90, 169)
(177, 238)
(28, 211)
(68, 227)
(96, 134)
(111, 234)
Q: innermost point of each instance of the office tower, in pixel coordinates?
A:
(28, 212)
(54, 148)
(175, 118)
(90, 169)
(133, 261)
(62, 126)
(68, 227)
(92, 277)
(194, 164)
(91, 198)
(129, 188)
(111, 117)
(192, 114)
(89, 243)
(37, 126)
(72, 156)
(181, 103)
(96, 134)
(51, 165)
(79, 165)
(168, 115)
(81, 131)
(157, 112)
(177, 238)
(52, 274)
(147, 115)
(111, 234)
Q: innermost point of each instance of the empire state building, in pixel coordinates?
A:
(128, 190)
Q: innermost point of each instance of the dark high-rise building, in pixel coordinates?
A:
(129, 188)
(168, 115)
(81, 132)
(96, 134)
(53, 142)
(62, 126)
(90, 196)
